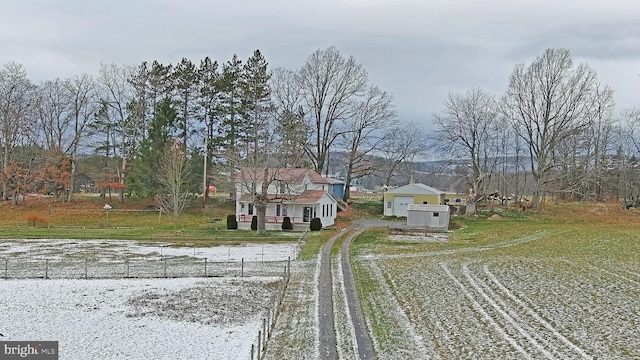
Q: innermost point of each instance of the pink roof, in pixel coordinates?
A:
(290, 175)
(309, 196)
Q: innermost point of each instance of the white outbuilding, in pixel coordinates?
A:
(432, 217)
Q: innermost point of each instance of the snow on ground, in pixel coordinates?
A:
(295, 335)
(109, 250)
(213, 318)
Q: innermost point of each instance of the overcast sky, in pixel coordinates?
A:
(418, 50)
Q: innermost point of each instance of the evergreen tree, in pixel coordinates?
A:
(232, 130)
(142, 180)
(185, 83)
(256, 97)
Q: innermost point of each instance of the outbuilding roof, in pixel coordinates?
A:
(412, 189)
(428, 208)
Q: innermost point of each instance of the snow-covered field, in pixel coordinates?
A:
(126, 259)
(114, 250)
(480, 305)
(215, 318)
(172, 318)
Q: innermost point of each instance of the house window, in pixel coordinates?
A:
(277, 209)
(250, 209)
(284, 210)
(388, 204)
(435, 214)
(282, 188)
(331, 208)
(424, 202)
(253, 188)
(323, 210)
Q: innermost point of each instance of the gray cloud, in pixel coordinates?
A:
(418, 50)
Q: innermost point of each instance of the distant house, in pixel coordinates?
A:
(396, 201)
(300, 194)
(433, 217)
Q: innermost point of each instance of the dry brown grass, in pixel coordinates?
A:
(610, 213)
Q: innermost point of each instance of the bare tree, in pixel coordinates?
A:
(363, 134)
(116, 94)
(625, 163)
(400, 144)
(467, 130)
(331, 86)
(601, 137)
(16, 95)
(174, 177)
(547, 102)
(289, 118)
(82, 107)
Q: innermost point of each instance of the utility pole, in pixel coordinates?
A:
(204, 176)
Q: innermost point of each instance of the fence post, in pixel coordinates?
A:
(288, 267)
(269, 322)
(259, 338)
(264, 334)
(242, 267)
(205, 267)
(6, 266)
(252, 351)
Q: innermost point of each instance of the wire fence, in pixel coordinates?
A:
(259, 346)
(140, 268)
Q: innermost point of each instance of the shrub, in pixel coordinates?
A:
(35, 219)
(254, 223)
(232, 223)
(286, 223)
(455, 224)
(316, 224)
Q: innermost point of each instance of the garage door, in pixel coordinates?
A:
(400, 204)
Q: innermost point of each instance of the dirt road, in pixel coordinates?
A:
(326, 303)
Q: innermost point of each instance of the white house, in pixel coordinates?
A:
(300, 194)
(397, 200)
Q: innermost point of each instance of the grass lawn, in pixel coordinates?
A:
(85, 218)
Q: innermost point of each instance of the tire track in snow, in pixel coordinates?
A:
(531, 312)
(345, 332)
(614, 274)
(362, 339)
(327, 343)
(403, 318)
(478, 307)
(509, 243)
(501, 308)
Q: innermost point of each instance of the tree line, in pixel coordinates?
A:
(553, 130)
(556, 124)
(224, 115)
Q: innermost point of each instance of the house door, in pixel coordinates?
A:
(306, 214)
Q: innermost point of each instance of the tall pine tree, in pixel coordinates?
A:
(142, 181)
(232, 130)
(256, 97)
